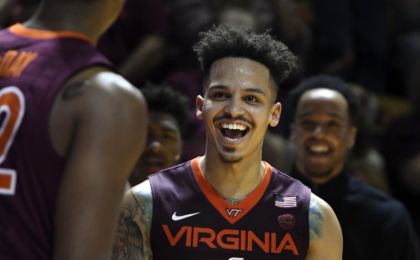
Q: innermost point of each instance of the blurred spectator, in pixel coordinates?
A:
(401, 147)
(5, 11)
(168, 117)
(366, 162)
(405, 29)
(189, 82)
(291, 27)
(16, 11)
(351, 41)
(136, 43)
(255, 15)
(278, 151)
(325, 118)
(407, 64)
(405, 18)
(406, 15)
(187, 18)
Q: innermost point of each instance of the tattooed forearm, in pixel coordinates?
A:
(133, 239)
(316, 219)
(128, 237)
(143, 220)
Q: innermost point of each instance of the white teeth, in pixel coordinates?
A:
(234, 126)
(319, 149)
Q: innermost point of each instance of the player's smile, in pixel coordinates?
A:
(232, 131)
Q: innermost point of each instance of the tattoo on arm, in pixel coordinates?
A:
(133, 235)
(74, 89)
(316, 220)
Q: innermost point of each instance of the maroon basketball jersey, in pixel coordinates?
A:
(34, 64)
(192, 221)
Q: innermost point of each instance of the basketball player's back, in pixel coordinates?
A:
(71, 131)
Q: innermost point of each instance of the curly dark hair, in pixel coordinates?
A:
(228, 41)
(328, 82)
(165, 99)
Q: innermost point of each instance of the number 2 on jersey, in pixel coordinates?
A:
(12, 109)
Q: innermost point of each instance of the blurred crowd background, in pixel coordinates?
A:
(372, 44)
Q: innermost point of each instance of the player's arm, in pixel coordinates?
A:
(108, 130)
(326, 240)
(133, 234)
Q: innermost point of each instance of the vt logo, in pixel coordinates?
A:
(233, 212)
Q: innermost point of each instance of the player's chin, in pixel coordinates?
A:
(230, 157)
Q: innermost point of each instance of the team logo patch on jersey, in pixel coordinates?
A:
(286, 221)
(233, 213)
(285, 201)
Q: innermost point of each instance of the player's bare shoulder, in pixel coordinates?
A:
(98, 99)
(326, 241)
(142, 194)
(133, 235)
(317, 206)
(115, 90)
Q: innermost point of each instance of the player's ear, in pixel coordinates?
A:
(199, 103)
(275, 114)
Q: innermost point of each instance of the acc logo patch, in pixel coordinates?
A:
(286, 221)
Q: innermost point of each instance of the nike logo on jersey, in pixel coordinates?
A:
(176, 218)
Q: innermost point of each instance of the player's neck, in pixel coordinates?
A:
(58, 22)
(233, 180)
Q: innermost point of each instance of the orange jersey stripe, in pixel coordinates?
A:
(20, 30)
(232, 213)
